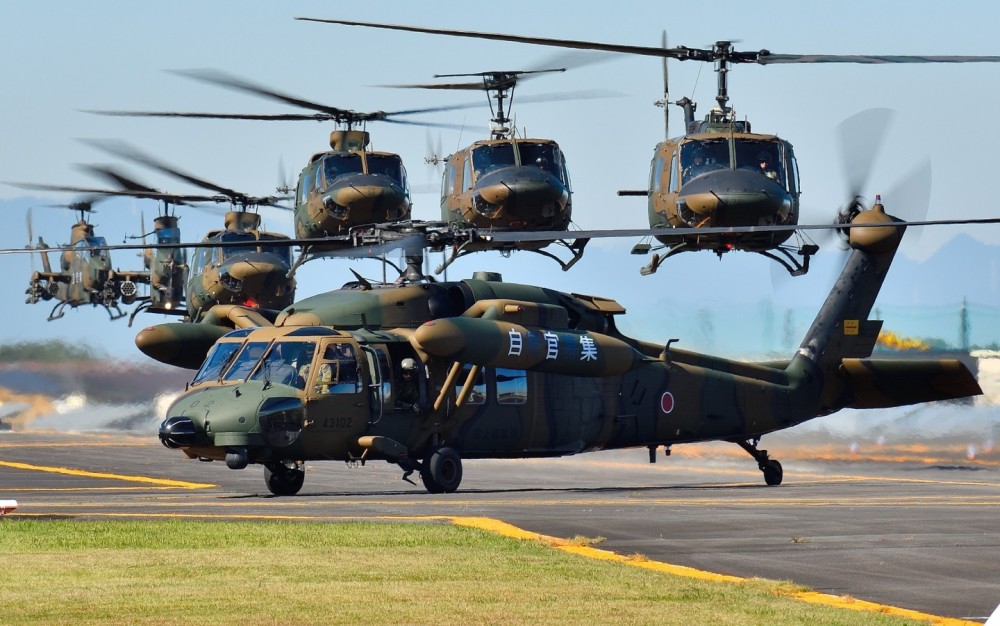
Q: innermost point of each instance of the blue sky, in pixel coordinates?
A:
(63, 56)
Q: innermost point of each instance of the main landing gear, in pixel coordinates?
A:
(440, 471)
(771, 467)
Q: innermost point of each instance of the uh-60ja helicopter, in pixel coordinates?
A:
(425, 375)
(718, 173)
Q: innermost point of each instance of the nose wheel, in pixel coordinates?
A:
(284, 480)
(770, 467)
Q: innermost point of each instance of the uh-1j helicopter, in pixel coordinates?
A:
(425, 375)
(339, 189)
(505, 182)
(718, 173)
(85, 275)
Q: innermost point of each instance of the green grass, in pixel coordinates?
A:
(162, 572)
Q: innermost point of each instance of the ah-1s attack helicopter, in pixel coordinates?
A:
(424, 375)
(85, 275)
(718, 173)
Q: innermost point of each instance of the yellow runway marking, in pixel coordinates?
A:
(813, 597)
(164, 482)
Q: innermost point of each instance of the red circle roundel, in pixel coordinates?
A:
(667, 402)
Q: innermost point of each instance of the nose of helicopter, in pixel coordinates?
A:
(734, 198)
(526, 195)
(365, 199)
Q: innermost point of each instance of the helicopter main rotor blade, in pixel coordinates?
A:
(681, 53)
(235, 83)
(174, 198)
(275, 117)
(383, 238)
(128, 152)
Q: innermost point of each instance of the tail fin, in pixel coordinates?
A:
(826, 365)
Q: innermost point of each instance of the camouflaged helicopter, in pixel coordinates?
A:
(424, 375)
(505, 183)
(85, 275)
(248, 266)
(340, 189)
(719, 172)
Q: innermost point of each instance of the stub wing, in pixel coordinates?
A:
(882, 383)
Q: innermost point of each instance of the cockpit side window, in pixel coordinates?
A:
(305, 181)
(337, 370)
(218, 358)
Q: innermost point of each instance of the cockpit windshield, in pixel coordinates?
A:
(488, 158)
(168, 235)
(390, 166)
(246, 360)
(760, 156)
(218, 358)
(544, 156)
(287, 363)
(701, 156)
(335, 165)
(89, 243)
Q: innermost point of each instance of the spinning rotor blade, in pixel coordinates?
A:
(128, 152)
(324, 113)
(721, 51)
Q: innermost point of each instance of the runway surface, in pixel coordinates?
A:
(918, 532)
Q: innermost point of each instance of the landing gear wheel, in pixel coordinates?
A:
(442, 471)
(283, 480)
(772, 472)
(771, 468)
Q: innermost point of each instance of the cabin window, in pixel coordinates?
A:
(512, 386)
(218, 358)
(448, 182)
(467, 173)
(390, 166)
(674, 178)
(565, 172)
(655, 172)
(478, 393)
(793, 167)
(304, 183)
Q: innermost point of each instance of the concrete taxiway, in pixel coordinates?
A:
(914, 534)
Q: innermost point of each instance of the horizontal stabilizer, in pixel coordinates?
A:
(881, 383)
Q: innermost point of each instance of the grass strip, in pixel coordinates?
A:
(165, 572)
